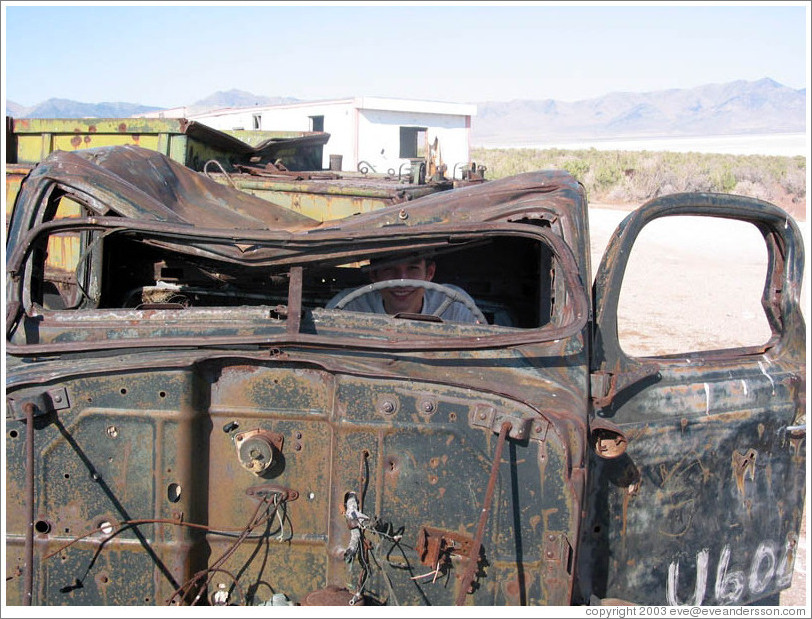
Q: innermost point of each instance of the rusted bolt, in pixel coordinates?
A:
(297, 447)
(537, 428)
(549, 554)
(57, 398)
(551, 538)
(428, 407)
(403, 214)
(298, 435)
(387, 406)
(483, 415)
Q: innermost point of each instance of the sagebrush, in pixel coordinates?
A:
(629, 177)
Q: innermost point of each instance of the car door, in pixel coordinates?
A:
(704, 505)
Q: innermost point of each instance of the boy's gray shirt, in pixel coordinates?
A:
(432, 299)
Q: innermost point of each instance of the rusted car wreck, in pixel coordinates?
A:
(188, 424)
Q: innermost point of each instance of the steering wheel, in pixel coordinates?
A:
(450, 294)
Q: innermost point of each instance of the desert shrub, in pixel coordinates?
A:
(631, 176)
(753, 190)
(577, 167)
(794, 182)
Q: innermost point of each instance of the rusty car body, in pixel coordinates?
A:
(188, 424)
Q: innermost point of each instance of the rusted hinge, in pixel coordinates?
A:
(606, 385)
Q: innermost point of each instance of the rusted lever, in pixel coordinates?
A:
(473, 557)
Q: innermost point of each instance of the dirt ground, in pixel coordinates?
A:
(660, 292)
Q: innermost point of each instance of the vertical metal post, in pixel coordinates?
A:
(28, 582)
(294, 318)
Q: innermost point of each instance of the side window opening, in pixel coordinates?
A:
(694, 284)
(413, 142)
(58, 281)
(317, 123)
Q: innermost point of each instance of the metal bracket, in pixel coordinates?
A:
(557, 551)
(485, 416)
(44, 402)
(436, 545)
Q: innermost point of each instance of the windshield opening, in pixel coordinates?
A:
(510, 279)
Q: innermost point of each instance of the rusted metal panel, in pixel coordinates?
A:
(334, 197)
(137, 448)
(197, 427)
(187, 142)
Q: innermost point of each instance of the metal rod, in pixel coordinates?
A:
(28, 582)
(473, 559)
(294, 318)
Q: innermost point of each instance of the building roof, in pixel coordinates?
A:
(362, 103)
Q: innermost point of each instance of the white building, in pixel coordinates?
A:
(383, 133)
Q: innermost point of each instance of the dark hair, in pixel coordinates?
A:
(380, 261)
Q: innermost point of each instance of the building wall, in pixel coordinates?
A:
(338, 122)
(379, 137)
(361, 130)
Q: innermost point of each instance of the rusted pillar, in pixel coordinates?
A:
(28, 582)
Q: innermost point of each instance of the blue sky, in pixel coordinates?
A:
(463, 52)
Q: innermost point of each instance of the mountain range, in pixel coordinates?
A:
(739, 107)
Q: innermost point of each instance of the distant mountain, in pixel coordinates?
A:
(237, 98)
(65, 108)
(740, 107)
(15, 110)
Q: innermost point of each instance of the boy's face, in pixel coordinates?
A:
(406, 300)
